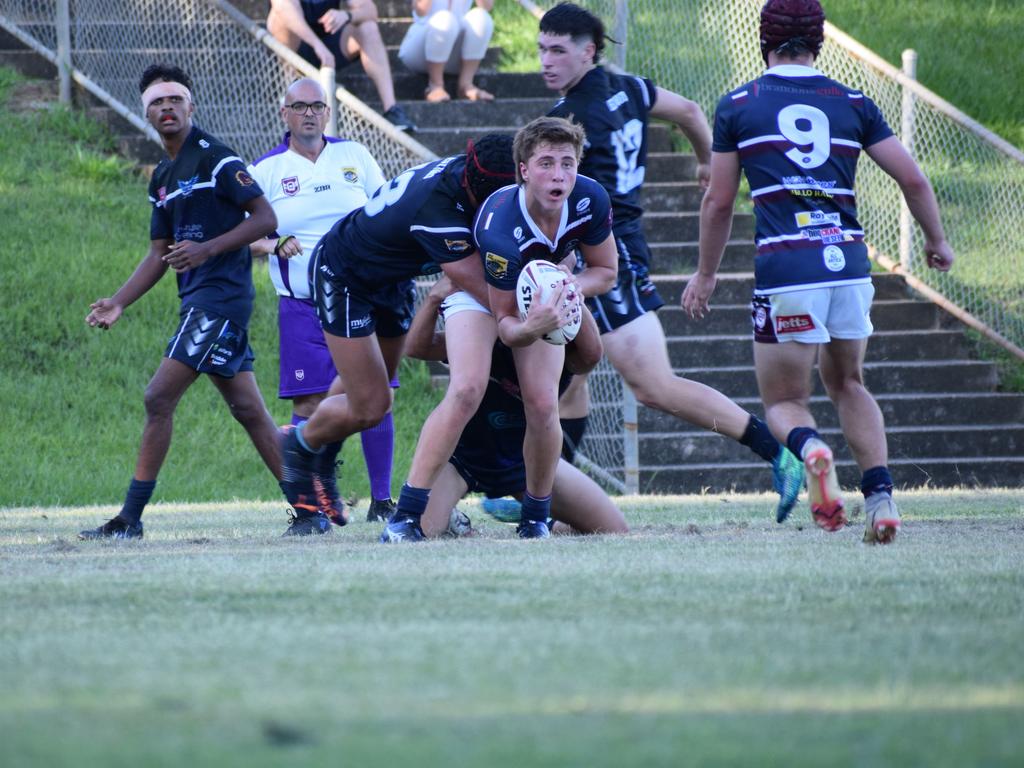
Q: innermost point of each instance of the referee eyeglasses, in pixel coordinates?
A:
(300, 107)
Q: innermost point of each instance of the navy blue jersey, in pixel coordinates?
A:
(420, 219)
(507, 237)
(199, 196)
(493, 437)
(613, 111)
(798, 135)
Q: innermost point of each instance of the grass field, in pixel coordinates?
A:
(708, 636)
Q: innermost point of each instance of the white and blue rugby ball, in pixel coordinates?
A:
(537, 281)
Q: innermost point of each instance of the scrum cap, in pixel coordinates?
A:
(785, 21)
(489, 165)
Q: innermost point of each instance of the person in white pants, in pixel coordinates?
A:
(449, 36)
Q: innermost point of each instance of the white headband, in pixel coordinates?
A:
(161, 90)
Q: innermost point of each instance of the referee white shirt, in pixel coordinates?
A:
(309, 197)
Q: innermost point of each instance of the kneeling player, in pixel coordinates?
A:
(489, 455)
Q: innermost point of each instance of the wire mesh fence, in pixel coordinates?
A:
(238, 80)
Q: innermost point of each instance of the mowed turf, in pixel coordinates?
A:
(710, 635)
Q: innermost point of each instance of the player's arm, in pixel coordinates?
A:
(289, 12)
(103, 313)
(893, 158)
(468, 275)
(715, 226)
(424, 341)
(188, 254)
(602, 261)
(284, 246)
(694, 124)
(543, 317)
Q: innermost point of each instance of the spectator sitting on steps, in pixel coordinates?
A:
(332, 33)
(449, 36)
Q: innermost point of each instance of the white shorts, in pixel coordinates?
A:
(813, 315)
(460, 301)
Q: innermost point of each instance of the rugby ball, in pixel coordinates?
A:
(538, 280)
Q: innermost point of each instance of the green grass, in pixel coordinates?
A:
(708, 636)
(76, 223)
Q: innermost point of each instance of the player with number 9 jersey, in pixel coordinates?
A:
(798, 135)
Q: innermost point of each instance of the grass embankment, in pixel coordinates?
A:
(76, 223)
(709, 636)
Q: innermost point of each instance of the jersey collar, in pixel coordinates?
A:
(793, 70)
(538, 233)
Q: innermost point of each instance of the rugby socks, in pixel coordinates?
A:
(572, 436)
(536, 510)
(379, 451)
(411, 502)
(328, 456)
(876, 480)
(798, 437)
(139, 493)
(758, 438)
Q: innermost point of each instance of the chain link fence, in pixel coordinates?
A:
(238, 70)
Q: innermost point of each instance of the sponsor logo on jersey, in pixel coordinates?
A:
(189, 232)
(583, 205)
(817, 219)
(616, 101)
(457, 246)
(350, 175)
(290, 186)
(497, 266)
(186, 185)
(793, 323)
(834, 258)
(204, 144)
(321, 188)
(831, 235)
(244, 179)
(300, 374)
(517, 233)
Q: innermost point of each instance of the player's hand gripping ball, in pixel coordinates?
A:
(538, 280)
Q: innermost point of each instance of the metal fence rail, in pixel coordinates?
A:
(239, 72)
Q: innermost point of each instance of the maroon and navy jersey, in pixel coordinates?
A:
(199, 196)
(417, 221)
(613, 111)
(508, 238)
(798, 135)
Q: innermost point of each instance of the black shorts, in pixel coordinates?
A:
(348, 310)
(312, 11)
(634, 293)
(495, 483)
(209, 343)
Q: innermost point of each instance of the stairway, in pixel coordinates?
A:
(948, 424)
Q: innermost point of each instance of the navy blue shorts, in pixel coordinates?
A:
(351, 311)
(495, 483)
(312, 10)
(209, 343)
(634, 293)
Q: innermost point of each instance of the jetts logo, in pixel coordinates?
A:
(793, 323)
(497, 266)
(290, 186)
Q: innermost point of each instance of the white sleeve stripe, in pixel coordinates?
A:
(643, 90)
(739, 95)
(847, 143)
(222, 163)
(439, 230)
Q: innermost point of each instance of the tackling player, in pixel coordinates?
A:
(615, 110)
(548, 215)
(311, 181)
(200, 196)
(797, 135)
(418, 222)
(489, 455)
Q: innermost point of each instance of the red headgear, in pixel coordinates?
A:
(785, 20)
